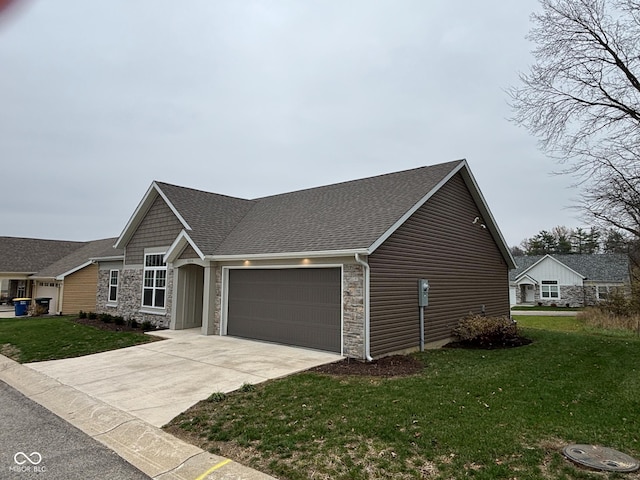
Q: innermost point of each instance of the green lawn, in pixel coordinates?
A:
(51, 338)
(499, 414)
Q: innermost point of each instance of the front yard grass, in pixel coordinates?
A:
(51, 338)
(482, 414)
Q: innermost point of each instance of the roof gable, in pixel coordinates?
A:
(603, 268)
(348, 217)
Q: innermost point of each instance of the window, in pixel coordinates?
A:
(604, 292)
(550, 289)
(113, 285)
(155, 280)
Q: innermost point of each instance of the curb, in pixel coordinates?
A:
(150, 449)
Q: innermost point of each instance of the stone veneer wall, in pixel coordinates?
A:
(574, 296)
(130, 297)
(353, 310)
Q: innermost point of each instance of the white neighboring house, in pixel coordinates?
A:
(567, 280)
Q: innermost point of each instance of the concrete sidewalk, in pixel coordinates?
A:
(154, 452)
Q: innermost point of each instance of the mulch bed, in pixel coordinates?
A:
(112, 327)
(392, 366)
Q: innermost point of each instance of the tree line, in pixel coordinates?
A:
(561, 240)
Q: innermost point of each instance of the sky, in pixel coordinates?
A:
(253, 98)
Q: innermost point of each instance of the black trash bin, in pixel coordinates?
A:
(44, 303)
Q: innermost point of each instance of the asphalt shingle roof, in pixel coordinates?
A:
(29, 255)
(342, 216)
(603, 268)
(80, 256)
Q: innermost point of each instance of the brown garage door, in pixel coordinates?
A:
(295, 306)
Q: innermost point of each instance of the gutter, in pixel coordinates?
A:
(367, 318)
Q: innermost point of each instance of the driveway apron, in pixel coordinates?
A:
(159, 380)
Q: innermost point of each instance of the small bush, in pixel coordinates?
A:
(486, 331)
(92, 315)
(118, 321)
(147, 325)
(105, 317)
(217, 397)
(247, 387)
(82, 314)
(133, 323)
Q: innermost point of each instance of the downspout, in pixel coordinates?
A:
(367, 349)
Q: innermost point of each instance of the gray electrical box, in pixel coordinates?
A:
(423, 292)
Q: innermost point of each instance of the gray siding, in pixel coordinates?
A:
(160, 227)
(460, 259)
(188, 253)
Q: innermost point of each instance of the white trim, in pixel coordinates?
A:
(286, 255)
(74, 270)
(182, 240)
(383, 238)
(548, 255)
(110, 285)
(165, 268)
(141, 211)
(153, 310)
(224, 291)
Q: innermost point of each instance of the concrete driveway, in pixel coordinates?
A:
(157, 381)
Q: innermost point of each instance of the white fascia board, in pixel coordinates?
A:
(555, 260)
(173, 208)
(178, 245)
(284, 255)
(525, 280)
(471, 183)
(141, 210)
(413, 209)
(73, 270)
(531, 266)
(113, 258)
(489, 220)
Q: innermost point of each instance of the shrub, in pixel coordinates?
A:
(133, 323)
(146, 325)
(217, 397)
(82, 314)
(92, 315)
(105, 317)
(118, 320)
(486, 331)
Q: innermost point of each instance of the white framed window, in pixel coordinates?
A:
(604, 292)
(549, 289)
(113, 285)
(154, 283)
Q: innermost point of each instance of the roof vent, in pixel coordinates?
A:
(601, 458)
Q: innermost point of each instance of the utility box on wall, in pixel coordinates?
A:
(423, 292)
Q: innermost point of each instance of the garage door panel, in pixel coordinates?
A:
(292, 306)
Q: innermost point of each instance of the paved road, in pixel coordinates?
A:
(35, 443)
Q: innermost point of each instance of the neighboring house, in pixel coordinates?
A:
(60, 270)
(573, 280)
(20, 258)
(72, 281)
(333, 268)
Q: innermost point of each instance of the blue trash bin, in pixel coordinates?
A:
(21, 306)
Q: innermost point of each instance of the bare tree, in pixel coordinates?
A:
(581, 98)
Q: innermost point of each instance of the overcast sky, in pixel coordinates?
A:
(251, 98)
